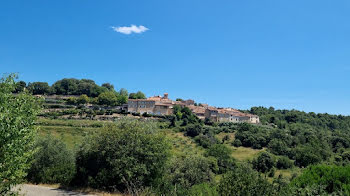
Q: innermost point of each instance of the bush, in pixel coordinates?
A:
(307, 155)
(184, 172)
(193, 130)
(53, 162)
(204, 189)
(284, 163)
(237, 143)
(223, 155)
(108, 98)
(264, 162)
(244, 181)
(330, 178)
(128, 155)
(206, 140)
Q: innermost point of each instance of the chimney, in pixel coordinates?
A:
(165, 96)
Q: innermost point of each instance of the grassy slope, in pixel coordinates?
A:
(73, 131)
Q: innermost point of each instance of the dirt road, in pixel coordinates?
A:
(35, 190)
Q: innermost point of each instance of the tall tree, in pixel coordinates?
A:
(20, 86)
(108, 86)
(17, 131)
(39, 88)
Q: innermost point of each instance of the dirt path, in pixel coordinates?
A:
(35, 190)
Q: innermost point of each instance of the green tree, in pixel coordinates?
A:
(39, 88)
(138, 95)
(223, 154)
(204, 189)
(123, 92)
(284, 163)
(185, 171)
(108, 86)
(243, 181)
(66, 86)
(121, 99)
(17, 132)
(127, 155)
(264, 162)
(108, 98)
(53, 162)
(330, 179)
(307, 155)
(193, 130)
(20, 86)
(83, 99)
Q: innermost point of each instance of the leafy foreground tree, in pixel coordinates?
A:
(244, 181)
(127, 156)
(17, 132)
(53, 162)
(322, 180)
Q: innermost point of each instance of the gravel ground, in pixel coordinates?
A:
(35, 190)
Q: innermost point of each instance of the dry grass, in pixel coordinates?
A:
(182, 144)
(288, 173)
(71, 136)
(223, 134)
(245, 154)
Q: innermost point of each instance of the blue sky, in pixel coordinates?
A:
(286, 54)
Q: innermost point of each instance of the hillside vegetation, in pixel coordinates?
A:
(86, 140)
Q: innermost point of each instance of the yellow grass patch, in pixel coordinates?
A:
(244, 154)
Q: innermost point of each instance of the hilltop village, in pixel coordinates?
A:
(84, 99)
(162, 105)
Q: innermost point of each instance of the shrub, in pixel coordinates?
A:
(237, 143)
(82, 99)
(264, 162)
(244, 181)
(206, 140)
(129, 154)
(272, 172)
(193, 130)
(284, 163)
(223, 154)
(204, 189)
(329, 178)
(53, 162)
(184, 172)
(72, 100)
(108, 98)
(307, 155)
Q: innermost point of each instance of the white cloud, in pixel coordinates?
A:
(131, 29)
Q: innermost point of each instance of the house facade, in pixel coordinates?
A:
(153, 105)
(162, 105)
(230, 115)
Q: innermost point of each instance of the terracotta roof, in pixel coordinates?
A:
(197, 109)
(163, 104)
(140, 100)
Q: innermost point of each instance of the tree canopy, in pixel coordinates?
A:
(17, 133)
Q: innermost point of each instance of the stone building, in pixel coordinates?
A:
(198, 110)
(154, 105)
(162, 105)
(229, 115)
